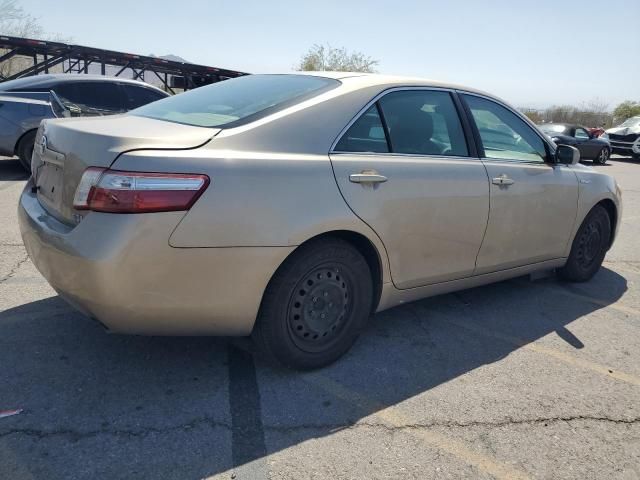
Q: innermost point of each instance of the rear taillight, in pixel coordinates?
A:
(114, 191)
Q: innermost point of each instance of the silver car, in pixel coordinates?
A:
(292, 207)
(25, 102)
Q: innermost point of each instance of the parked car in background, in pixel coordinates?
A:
(590, 146)
(625, 138)
(292, 207)
(597, 132)
(26, 101)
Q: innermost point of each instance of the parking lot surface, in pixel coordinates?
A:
(521, 379)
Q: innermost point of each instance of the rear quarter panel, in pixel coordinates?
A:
(256, 200)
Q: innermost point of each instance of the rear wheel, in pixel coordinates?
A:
(25, 150)
(315, 305)
(603, 156)
(589, 247)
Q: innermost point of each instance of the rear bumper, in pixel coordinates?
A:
(120, 270)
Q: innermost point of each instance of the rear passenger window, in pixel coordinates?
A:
(92, 97)
(365, 135)
(139, 96)
(423, 122)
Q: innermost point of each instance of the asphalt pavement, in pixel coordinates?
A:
(521, 379)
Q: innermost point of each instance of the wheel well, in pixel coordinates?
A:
(611, 209)
(368, 251)
(17, 145)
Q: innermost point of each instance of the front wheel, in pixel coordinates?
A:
(603, 156)
(315, 305)
(589, 247)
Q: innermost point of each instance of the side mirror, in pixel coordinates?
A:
(567, 155)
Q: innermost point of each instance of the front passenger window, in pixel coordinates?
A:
(504, 135)
(581, 134)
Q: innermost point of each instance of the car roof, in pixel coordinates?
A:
(40, 81)
(383, 79)
(362, 80)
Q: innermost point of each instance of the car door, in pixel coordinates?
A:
(533, 201)
(405, 167)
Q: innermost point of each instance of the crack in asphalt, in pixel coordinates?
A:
(15, 269)
(77, 435)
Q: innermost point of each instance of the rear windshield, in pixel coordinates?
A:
(236, 101)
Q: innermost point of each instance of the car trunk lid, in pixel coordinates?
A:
(64, 148)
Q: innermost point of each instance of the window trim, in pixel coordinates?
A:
(549, 147)
(470, 141)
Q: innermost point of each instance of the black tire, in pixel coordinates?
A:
(25, 150)
(315, 306)
(636, 156)
(603, 156)
(589, 247)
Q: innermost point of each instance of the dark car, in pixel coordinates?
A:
(26, 101)
(591, 147)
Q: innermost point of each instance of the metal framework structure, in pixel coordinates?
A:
(77, 59)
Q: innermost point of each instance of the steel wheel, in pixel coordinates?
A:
(589, 246)
(320, 304)
(315, 305)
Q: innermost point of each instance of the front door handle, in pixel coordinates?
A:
(502, 180)
(367, 176)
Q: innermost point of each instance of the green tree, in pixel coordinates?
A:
(327, 58)
(534, 115)
(626, 110)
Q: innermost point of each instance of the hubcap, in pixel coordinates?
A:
(319, 308)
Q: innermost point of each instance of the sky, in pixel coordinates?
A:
(532, 53)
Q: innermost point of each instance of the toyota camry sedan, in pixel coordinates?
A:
(289, 208)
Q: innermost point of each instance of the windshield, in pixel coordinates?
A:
(631, 122)
(239, 100)
(549, 128)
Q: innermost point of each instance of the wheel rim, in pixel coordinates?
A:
(604, 156)
(320, 308)
(590, 245)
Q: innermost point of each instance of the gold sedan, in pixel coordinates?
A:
(292, 207)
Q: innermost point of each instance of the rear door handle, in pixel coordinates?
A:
(502, 180)
(367, 176)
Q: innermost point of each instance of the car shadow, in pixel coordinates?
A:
(109, 406)
(11, 170)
